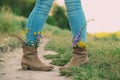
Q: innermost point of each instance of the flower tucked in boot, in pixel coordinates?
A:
(79, 56)
(30, 60)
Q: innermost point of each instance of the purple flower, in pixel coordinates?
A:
(38, 37)
(76, 39)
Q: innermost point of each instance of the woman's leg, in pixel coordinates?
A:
(78, 26)
(76, 18)
(37, 19)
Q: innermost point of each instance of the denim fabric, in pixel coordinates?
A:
(37, 18)
(76, 18)
(40, 12)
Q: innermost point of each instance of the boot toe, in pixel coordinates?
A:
(50, 68)
(47, 68)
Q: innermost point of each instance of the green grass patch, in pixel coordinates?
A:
(104, 55)
(10, 24)
(59, 42)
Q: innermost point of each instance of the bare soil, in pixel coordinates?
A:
(10, 68)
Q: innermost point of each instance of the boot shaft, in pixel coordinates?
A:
(29, 52)
(80, 51)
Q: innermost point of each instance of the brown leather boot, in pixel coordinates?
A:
(79, 58)
(30, 60)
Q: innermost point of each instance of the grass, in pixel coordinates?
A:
(57, 43)
(9, 24)
(104, 55)
(103, 49)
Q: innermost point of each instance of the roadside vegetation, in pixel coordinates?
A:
(103, 52)
(103, 48)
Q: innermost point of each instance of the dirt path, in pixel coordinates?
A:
(11, 69)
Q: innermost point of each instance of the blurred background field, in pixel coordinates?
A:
(103, 48)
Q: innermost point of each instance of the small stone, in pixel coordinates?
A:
(1, 60)
(3, 73)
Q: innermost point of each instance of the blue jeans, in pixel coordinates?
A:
(40, 13)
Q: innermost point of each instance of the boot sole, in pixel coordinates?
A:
(82, 63)
(27, 67)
